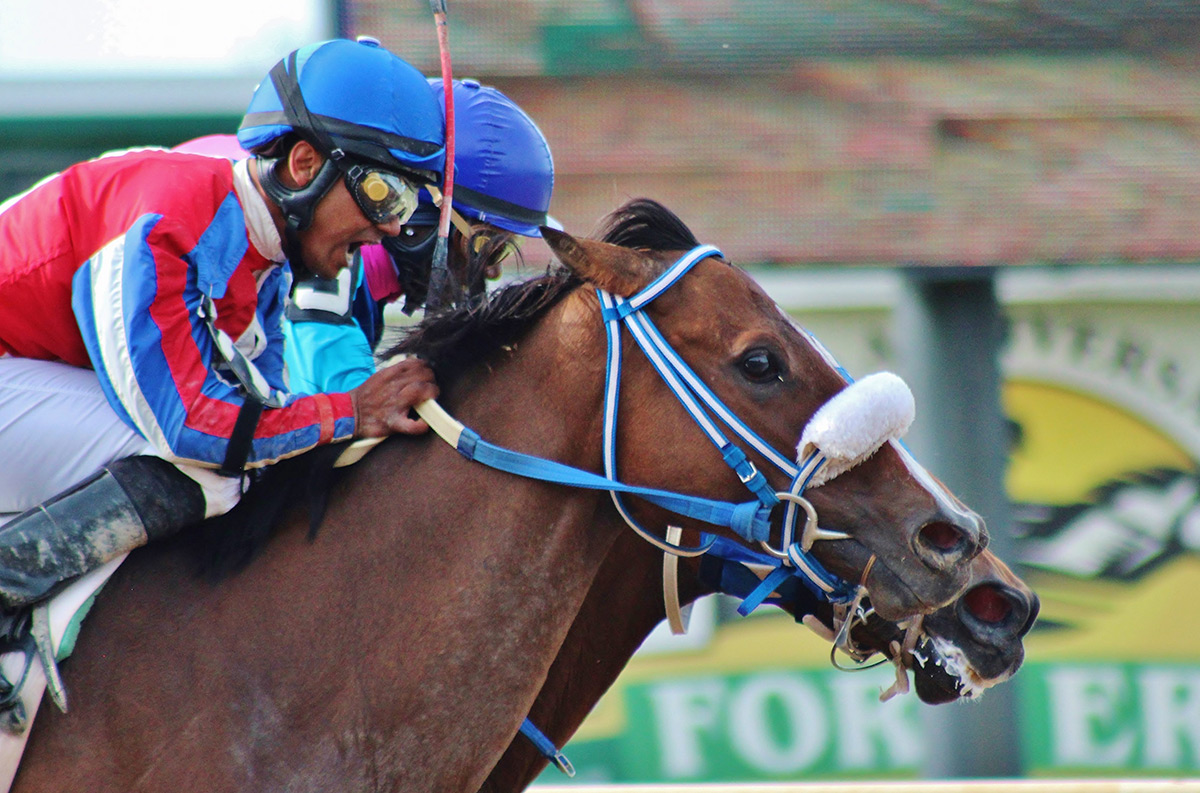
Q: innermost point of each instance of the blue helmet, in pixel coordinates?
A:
(503, 171)
(352, 96)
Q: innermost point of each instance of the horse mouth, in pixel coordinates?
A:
(893, 596)
(942, 673)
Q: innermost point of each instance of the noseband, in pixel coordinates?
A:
(699, 401)
(750, 520)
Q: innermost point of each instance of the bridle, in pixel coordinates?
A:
(700, 401)
(749, 520)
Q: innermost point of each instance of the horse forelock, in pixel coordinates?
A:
(646, 224)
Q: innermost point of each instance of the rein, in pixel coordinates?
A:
(749, 520)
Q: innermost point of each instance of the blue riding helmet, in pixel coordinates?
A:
(354, 96)
(503, 171)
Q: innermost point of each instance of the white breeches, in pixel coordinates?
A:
(57, 429)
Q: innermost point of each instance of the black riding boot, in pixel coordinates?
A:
(118, 509)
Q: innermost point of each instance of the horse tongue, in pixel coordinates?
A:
(851, 426)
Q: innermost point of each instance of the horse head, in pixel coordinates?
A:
(902, 534)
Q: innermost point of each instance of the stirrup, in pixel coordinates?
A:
(43, 642)
(15, 637)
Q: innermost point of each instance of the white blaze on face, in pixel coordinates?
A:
(816, 345)
(949, 505)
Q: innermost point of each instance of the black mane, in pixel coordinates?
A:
(458, 337)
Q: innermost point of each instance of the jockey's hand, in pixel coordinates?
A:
(382, 403)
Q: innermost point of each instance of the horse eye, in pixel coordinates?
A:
(760, 365)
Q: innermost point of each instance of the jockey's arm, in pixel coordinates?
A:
(157, 363)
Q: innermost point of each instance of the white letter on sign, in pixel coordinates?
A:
(685, 710)
(1171, 716)
(1085, 701)
(804, 713)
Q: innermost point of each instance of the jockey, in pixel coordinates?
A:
(504, 177)
(141, 293)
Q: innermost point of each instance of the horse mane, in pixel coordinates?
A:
(451, 341)
(457, 337)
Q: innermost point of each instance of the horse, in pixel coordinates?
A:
(402, 645)
(959, 651)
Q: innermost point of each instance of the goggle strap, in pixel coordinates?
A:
(460, 222)
(287, 86)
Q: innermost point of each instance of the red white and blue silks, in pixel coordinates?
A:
(107, 265)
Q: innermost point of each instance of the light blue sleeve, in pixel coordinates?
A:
(323, 357)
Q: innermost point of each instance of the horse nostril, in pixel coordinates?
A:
(941, 536)
(1035, 605)
(988, 604)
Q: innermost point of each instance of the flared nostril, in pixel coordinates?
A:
(988, 604)
(1035, 605)
(942, 537)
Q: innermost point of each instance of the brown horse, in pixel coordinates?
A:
(401, 648)
(961, 649)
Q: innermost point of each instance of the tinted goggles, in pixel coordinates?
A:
(481, 237)
(381, 195)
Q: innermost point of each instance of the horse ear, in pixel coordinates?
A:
(620, 271)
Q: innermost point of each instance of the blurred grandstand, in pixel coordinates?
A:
(808, 131)
(882, 131)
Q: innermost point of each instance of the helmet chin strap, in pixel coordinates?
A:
(298, 205)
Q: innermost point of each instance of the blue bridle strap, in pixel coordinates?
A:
(547, 748)
(819, 581)
(750, 520)
(691, 391)
(688, 389)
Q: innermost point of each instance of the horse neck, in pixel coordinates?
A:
(533, 549)
(453, 584)
(622, 607)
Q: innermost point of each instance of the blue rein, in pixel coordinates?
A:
(749, 520)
